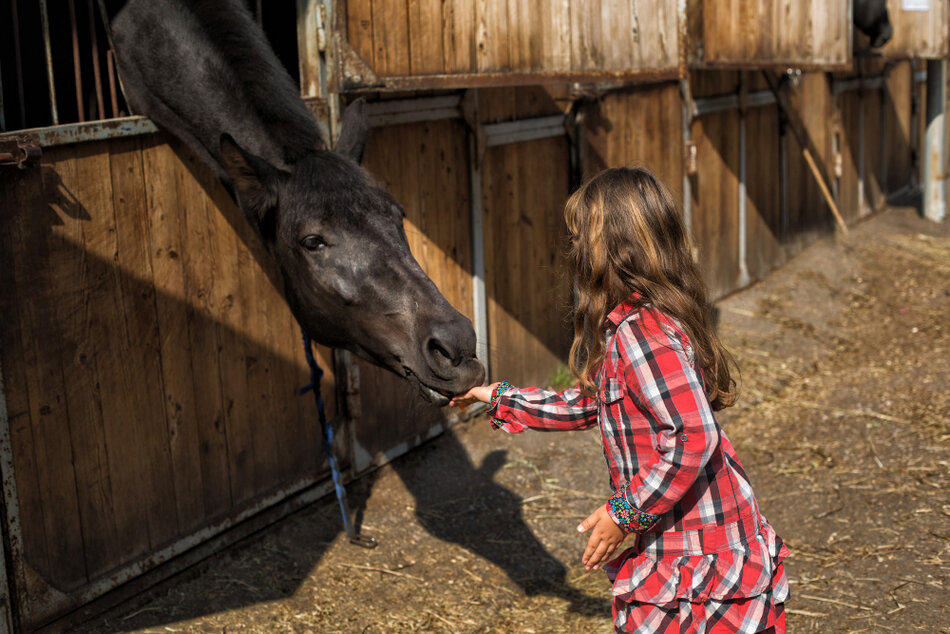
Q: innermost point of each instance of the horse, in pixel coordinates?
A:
(204, 71)
(871, 18)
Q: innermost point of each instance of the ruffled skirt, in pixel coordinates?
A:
(673, 583)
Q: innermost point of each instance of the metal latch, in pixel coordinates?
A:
(22, 150)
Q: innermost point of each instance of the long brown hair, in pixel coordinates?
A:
(627, 236)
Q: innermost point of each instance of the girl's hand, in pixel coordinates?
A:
(605, 538)
(479, 393)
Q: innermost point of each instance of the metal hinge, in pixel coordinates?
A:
(22, 150)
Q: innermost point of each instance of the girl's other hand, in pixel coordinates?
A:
(480, 393)
(605, 537)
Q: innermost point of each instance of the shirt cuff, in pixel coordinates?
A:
(496, 394)
(628, 517)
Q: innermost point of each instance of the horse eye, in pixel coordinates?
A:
(313, 243)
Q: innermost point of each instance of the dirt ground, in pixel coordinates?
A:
(843, 425)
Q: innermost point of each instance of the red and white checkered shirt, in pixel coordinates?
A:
(704, 559)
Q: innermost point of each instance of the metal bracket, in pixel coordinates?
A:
(23, 150)
(355, 73)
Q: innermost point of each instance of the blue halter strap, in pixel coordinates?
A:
(326, 431)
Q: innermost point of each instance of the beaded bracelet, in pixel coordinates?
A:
(630, 519)
(496, 393)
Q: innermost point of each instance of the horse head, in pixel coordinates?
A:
(350, 277)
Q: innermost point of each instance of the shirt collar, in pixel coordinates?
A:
(624, 308)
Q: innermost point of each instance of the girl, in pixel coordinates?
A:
(651, 371)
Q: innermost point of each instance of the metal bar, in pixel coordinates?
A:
(11, 531)
(524, 135)
(479, 297)
(509, 127)
(709, 105)
(935, 141)
(859, 83)
(883, 132)
(862, 203)
(413, 116)
(783, 181)
(89, 131)
(44, 14)
(110, 68)
(687, 109)
(19, 62)
(920, 76)
(77, 67)
(399, 106)
(743, 205)
(96, 70)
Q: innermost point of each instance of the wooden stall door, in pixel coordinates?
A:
(150, 368)
(781, 33)
(410, 44)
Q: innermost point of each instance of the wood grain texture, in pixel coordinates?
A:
(918, 33)
(898, 107)
(429, 37)
(151, 367)
(764, 250)
(744, 33)
(715, 195)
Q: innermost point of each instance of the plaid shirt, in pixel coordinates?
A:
(704, 558)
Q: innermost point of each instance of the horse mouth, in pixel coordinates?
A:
(434, 395)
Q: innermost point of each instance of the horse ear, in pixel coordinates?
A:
(354, 131)
(254, 181)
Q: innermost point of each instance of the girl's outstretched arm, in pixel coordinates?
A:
(516, 409)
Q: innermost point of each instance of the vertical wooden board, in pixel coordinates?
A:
(764, 249)
(715, 200)
(898, 105)
(47, 252)
(21, 192)
(198, 262)
(711, 83)
(851, 199)
(524, 238)
(809, 215)
(555, 17)
(458, 36)
(142, 371)
(874, 135)
(81, 333)
(425, 44)
(743, 32)
(617, 43)
(391, 37)
(918, 33)
(491, 35)
(586, 35)
(359, 29)
(167, 262)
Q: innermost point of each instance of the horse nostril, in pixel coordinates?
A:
(436, 347)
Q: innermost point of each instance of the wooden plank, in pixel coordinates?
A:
(764, 250)
(198, 262)
(874, 173)
(359, 29)
(752, 33)
(586, 34)
(458, 36)
(391, 37)
(167, 262)
(491, 36)
(851, 199)
(918, 33)
(142, 371)
(20, 193)
(47, 253)
(714, 200)
(425, 27)
(898, 107)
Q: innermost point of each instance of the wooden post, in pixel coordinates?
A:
(935, 150)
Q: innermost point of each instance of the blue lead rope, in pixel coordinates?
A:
(326, 432)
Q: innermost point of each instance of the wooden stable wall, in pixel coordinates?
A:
(430, 43)
(918, 33)
(150, 367)
(758, 33)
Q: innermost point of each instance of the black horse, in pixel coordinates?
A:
(870, 16)
(203, 70)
